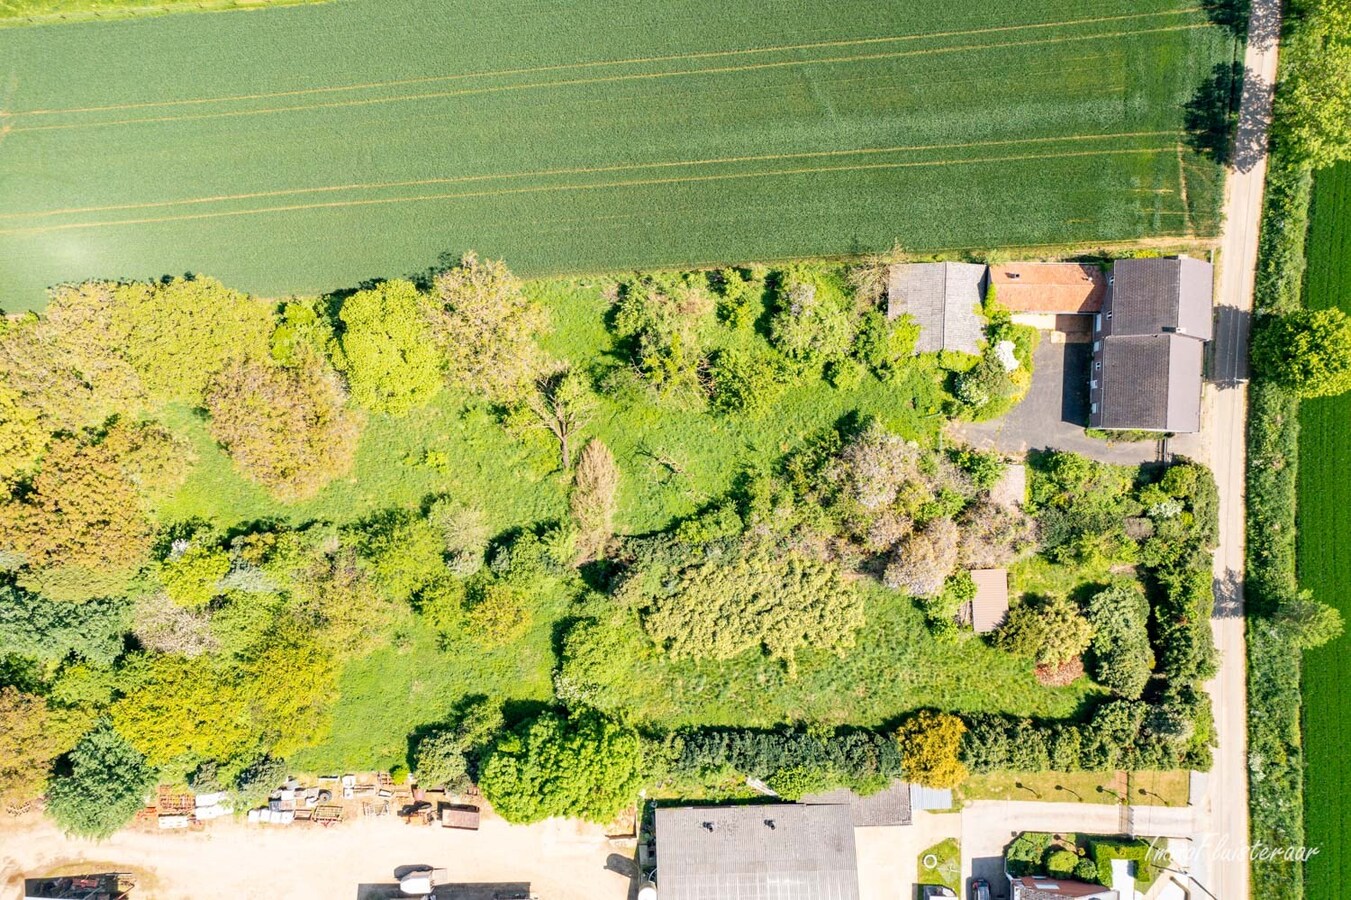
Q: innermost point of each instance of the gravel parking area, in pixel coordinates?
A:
(229, 860)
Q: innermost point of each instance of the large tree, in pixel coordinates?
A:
(930, 744)
(486, 327)
(179, 333)
(1052, 632)
(80, 509)
(1313, 103)
(562, 404)
(386, 349)
(923, 560)
(586, 766)
(107, 784)
(31, 737)
(69, 367)
(286, 427)
(51, 630)
(1121, 655)
(447, 755)
(1308, 351)
(184, 711)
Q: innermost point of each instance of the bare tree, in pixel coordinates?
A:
(563, 403)
(593, 498)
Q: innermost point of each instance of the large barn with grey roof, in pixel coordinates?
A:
(781, 851)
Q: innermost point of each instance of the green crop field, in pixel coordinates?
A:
(308, 148)
(1324, 563)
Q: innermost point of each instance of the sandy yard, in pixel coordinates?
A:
(561, 860)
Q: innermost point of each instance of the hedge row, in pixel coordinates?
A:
(1275, 755)
(792, 763)
(1173, 732)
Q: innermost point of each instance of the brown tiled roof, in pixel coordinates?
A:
(1033, 887)
(1049, 287)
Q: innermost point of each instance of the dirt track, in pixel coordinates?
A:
(560, 860)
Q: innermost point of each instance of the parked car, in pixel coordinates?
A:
(980, 889)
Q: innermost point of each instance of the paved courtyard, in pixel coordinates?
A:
(1055, 412)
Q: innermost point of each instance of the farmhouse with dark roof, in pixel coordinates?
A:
(1149, 346)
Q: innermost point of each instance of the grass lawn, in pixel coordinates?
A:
(1162, 788)
(1324, 564)
(896, 667)
(311, 147)
(942, 864)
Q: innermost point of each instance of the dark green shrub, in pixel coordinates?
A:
(1025, 855)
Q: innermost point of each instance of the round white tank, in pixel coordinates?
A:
(647, 892)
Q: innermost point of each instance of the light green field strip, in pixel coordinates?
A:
(711, 54)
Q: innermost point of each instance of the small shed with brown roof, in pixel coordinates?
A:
(460, 816)
(1049, 287)
(987, 609)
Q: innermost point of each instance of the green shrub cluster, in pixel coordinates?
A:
(1086, 858)
(1275, 756)
(583, 765)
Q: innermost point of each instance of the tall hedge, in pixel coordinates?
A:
(1275, 754)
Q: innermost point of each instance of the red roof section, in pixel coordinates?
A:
(1049, 287)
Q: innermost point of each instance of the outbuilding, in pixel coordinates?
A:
(786, 851)
(944, 299)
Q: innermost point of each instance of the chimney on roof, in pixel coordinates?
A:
(770, 824)
(708, 826)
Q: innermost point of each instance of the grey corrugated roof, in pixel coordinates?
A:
(887, 807)
(945, 301)
(784, 851)
(1150, 382)
(1150, 296)
(929, 798)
